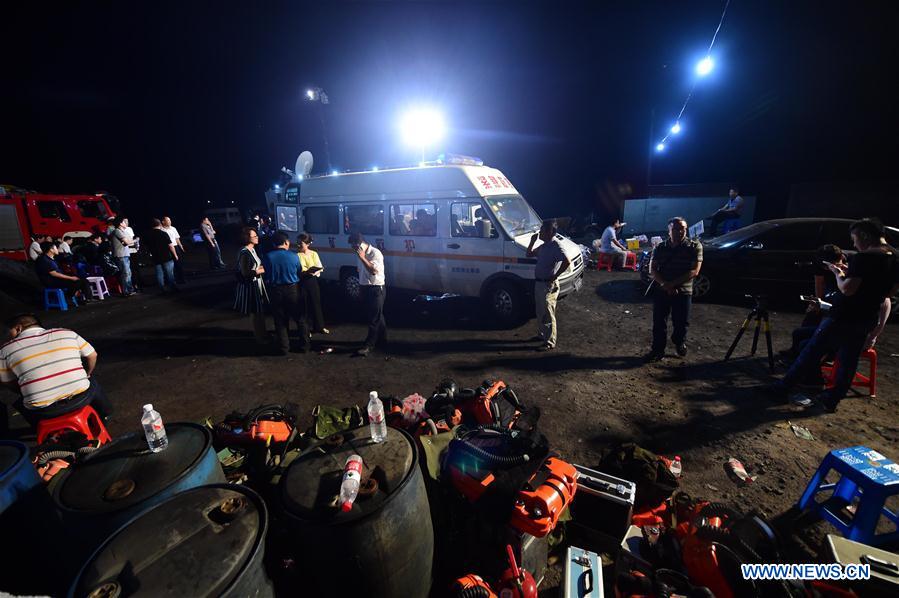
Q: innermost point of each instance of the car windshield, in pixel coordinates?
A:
(514, 214)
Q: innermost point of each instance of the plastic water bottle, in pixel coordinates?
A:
(153, 428)
(376, 422)
(675, 466)
(349, 487)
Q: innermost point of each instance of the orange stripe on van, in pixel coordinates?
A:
(448, 256)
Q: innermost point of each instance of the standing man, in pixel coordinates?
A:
(675, 262)
(551, 262)
(371, 281)
(137, 282)
(212, 245)
(729, 213)
(162, 249)
(282, 277)
(870, 278)
(179, 248)
(121, 245)
(609, 243)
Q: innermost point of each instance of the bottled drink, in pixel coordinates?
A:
(675, 466)
(349, 487)
(376, 422)
(153, 428)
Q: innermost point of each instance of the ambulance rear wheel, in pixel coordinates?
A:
(349, 285)
(504, 301)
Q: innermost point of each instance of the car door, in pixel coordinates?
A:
(415, 245)
(781, 257)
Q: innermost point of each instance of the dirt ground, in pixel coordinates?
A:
(192, 357)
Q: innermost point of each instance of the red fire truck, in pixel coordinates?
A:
(25, 213)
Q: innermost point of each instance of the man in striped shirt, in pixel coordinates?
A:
(51, 370)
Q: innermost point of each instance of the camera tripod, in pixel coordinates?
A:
(760, 314)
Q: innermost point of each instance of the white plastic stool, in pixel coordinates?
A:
(98, 287)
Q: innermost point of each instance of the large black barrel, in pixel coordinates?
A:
(208, 541)
(384, 546)
(28, 524)
(115, 483)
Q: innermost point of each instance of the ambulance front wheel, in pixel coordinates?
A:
(505, 301)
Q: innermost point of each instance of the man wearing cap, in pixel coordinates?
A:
(371, 282)
(610, 244)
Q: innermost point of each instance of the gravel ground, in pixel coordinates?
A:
(192, 357)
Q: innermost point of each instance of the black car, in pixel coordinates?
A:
(770, 257)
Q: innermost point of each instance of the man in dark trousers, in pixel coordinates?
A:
(371, 281)
(162, 249)
(675, 262)
(871, 276)
(282, 277)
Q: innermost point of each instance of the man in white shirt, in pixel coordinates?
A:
(609, 243)
(65, 246)
(371, 281)
(34, 250)
(179, 248)
(136, 281)
(121, 244)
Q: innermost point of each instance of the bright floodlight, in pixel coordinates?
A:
(676, 128)
(422, 127)
(660, 147)
(705, 66)
(333, 173)
(310, 93)
(374, 169)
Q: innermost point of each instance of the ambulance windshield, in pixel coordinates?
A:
(514, 214)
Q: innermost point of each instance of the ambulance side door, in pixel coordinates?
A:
(470, 257)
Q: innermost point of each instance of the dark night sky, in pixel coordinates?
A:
(168, 106)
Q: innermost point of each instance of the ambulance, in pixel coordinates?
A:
(452, 227)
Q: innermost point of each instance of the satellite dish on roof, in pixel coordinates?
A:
(304, 164)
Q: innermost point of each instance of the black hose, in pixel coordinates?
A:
(490, 457)
(474, 592)
(45, 458)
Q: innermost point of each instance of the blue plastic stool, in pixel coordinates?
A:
(55, 298)
(866, 475)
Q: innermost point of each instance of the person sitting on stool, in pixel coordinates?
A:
(609, 243)
(729, 214)
(51, 277)
(51, 370)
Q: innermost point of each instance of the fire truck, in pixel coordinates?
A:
(25, 213)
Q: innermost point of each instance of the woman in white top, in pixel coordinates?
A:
(251, 297)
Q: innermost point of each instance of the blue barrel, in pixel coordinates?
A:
(208, 541)
(28, 521)
(109, 487)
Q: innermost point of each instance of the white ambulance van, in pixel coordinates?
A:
(457, 227)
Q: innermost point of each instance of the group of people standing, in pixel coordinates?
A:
(287, 283)
(285, 280)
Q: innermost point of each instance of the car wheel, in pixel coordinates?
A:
(702, 286)
(349, 285)
(504, 301)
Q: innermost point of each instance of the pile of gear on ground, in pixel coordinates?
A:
(464, 497)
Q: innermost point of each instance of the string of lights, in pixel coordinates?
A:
(703, 68)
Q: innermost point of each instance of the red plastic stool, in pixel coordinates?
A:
(630, 261)
(114, 286)
(605, 260)
(84, 420)
(829, 372)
